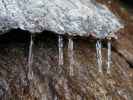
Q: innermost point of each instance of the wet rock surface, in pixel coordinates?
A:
(53, 82)
(74, 17)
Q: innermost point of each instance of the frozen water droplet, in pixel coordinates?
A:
(71, 56)
(109, 56)
(60, 46)
(99, 55)
(30, 58)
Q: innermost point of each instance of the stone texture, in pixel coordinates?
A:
(51, 82)
(75, 17)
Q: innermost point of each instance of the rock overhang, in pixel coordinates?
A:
(72, 17)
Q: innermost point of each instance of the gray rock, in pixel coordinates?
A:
(3, 87)
(74, 17)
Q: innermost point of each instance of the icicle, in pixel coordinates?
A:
(30, 58)
(55, 98)
(99, 55)
(109, 56)
(71, 56)
(60, 45)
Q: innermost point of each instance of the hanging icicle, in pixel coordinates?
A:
(55, 98)
(71, 56)
(60, 46)
(109, 56)
(30, 58)
(99, 55)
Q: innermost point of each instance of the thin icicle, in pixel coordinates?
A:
(109, 56)
(55, 98)
(30, 58)
(60, 45)
(71, 56)
(99, 55)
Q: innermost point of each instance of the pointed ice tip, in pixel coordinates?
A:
(30, 75)
(71, 73)
(108, 71)
(100, 71)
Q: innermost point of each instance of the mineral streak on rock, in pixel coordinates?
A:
(75, 17)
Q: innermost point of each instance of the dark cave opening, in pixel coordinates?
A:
(20, 37)
(127, 3)
(15, 36)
